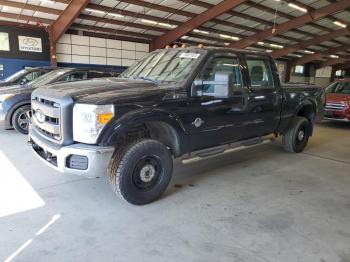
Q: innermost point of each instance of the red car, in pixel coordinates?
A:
(338, 101)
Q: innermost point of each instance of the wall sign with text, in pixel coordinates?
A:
(30, 44)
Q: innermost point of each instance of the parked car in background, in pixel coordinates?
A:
(15, 110)
(338, 101)
(25, 76)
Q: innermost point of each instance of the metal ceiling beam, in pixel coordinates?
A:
(67, 17)
(343, 66)
(26, 18)
(331, 62)
(217, 21)
(121, 23)
(293, 48)
(138, 15)
(259, 20)
(296, 22)
(109, 36)
(316, 56)
(20, 5)
(195, 22)
(112, 31)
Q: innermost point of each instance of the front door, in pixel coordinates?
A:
(216, 106)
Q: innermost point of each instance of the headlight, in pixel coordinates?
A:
(89, 120)
(3, 98)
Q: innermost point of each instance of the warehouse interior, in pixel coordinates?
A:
(261, 204)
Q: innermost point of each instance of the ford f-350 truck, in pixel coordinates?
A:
(191, 103)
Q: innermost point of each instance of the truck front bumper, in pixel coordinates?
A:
(79, 159)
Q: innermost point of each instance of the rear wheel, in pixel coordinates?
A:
(296, 137)
(21, 119)
(141, 171)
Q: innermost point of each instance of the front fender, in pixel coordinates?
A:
(119, 127)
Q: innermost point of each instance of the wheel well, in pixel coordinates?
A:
(309, 113)
(156, 130)
(15, 109)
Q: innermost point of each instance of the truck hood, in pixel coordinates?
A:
(103, 90)
(333, 97)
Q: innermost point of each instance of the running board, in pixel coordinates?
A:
(222, 150)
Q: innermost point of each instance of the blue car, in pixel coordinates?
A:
(15, 109)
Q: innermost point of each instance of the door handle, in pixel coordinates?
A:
(259, 97)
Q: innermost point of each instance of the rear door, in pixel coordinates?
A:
(264, 100)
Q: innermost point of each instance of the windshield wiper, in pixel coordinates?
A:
(147, 79)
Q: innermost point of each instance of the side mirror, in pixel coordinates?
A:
(222, 86)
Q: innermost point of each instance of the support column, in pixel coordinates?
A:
(53, 56)
(288, 72)
(334, 69)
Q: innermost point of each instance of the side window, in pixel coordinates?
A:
(76, 76)
(260, 72)
(29, 77)
(97, 74)
(221, 76)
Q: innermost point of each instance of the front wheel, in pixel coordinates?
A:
(141, 171)
(296, 137)
(21, 119)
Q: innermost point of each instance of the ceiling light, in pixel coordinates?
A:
(47, 1)
(116, 15)
(166, 25)
(201, 31)
(298, 55)
(308, 52)
(92, 10)
(277, 46)
(226, 43)
(269, 50)
(184, 37)
(298, 7)
(229, 37)
(148, 21)
(334, 56)
(225, 36)
(261, 43)
(340, 24)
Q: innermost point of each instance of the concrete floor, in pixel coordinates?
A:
(258, 205)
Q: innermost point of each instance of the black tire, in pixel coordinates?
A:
(296, 137)
(141, 171)
(21, 119)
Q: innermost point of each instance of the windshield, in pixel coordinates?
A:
(339, 88)
(47, 78)
(169, 65)
(15, 76)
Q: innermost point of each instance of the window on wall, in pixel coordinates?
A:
(299, 69)
(4, 42)
(339, 73)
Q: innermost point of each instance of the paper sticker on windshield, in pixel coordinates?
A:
(190, 55)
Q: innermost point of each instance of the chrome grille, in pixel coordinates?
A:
(335, 106)
(50, 124)
(56, 116)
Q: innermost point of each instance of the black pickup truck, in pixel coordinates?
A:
(191, 103)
